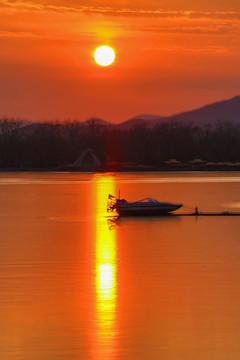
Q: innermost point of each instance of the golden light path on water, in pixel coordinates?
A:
(105, 273)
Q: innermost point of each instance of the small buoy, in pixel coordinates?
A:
(196, 211)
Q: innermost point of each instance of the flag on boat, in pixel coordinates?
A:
(111, 202)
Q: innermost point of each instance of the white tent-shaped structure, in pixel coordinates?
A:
(87, 160)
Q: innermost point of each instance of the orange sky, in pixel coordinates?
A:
(170, 56)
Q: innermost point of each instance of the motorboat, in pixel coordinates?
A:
(144, 207)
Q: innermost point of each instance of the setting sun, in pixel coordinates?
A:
(104, 55)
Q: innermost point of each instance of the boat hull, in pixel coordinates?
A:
(146, 211)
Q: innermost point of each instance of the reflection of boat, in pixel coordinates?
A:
(143, 207)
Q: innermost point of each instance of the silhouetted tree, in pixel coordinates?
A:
(49, 145)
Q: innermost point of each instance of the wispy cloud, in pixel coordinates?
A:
(223, 27)
(19, 34)
(203, 29)
(20, 5)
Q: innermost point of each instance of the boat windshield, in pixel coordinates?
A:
(148, 200)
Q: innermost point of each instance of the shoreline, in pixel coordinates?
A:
(140, 169)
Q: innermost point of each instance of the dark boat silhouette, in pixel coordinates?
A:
(144, 207)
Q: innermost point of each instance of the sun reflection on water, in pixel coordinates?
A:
(105, 263)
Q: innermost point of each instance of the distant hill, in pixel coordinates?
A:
(97, 122)
(226, 110)
(140, 120)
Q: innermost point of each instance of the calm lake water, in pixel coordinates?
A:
(75, 285)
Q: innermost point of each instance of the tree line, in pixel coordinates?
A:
(55, 144)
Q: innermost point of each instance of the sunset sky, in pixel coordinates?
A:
(171, 56)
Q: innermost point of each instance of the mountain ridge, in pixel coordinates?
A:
(211, 114)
